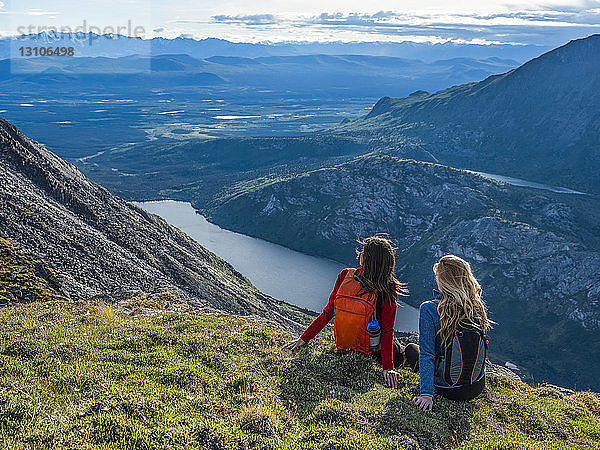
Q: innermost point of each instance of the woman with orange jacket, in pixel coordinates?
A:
(364, 302)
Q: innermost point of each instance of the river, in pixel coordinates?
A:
(284, 274)
(524, 183)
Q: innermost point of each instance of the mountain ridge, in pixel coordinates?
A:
(107, 45)
(105, 246)
(539, 121)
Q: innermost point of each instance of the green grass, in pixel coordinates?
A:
(79, 375)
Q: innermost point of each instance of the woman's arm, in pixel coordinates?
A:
(325, 317)
(388, 317)
(427, 347)
(319, 323)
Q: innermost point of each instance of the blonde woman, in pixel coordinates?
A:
(457, 313)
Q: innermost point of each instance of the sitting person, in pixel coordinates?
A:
(364, 303)
(452, 343)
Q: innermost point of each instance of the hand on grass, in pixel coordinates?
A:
(391, 378)
(293, 345)
(425, 402)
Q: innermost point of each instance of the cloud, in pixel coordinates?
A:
(521, 18)
(251, 19)
(39, 12)
(540, 26)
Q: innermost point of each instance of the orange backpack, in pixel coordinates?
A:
(352, 313)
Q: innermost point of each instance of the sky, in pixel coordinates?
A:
(542, 22)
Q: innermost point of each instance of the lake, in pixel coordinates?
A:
(284, 274)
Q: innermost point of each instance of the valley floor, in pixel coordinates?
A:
(81, 375)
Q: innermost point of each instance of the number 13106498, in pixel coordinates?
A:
(47, 51)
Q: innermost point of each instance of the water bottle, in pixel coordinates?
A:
(374, 334)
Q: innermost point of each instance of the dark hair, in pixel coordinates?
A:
(379, 263)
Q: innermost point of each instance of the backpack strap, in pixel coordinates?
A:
(357, 278)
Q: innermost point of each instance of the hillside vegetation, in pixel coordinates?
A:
(76, 374)
(80, 374)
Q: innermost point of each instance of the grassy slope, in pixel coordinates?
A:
(82, 375)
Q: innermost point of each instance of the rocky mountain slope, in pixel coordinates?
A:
(536, 252)
(104, 246)
(540, 121)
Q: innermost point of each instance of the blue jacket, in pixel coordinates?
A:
(430, 346)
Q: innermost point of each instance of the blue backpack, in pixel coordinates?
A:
(463, 361)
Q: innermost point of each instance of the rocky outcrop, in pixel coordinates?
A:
(24, 279)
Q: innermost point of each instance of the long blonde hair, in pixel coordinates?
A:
(461, 301)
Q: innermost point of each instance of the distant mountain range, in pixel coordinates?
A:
(104, 247)
(90, 44)
(329, 75)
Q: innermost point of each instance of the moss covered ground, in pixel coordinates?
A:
(80, 375)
